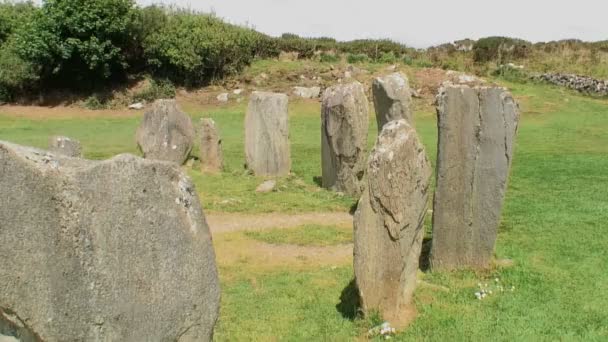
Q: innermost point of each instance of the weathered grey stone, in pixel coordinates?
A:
(223, 97)
(65, 146)
(267, 150)
(211, 155)
(344, 124)
(477, 128)
(166, 133)
(115, 250)
(392, 99)
(267, 186)
(389, 223)
(307, 93)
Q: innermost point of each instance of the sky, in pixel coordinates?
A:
(420, 23)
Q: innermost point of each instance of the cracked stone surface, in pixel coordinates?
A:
(389, 223)
(477, 130)
(114, 250)
(392, 99)
(344, 125)
(267, 150)
(166, 133)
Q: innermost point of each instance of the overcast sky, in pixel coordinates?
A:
(419, 23)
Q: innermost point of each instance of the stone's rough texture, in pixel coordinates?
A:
(115, 250)
(583, 84)
(392, 99)
(389, 223)
(223, 97)
(166, 133)
(477, 128)
(267, 186)
(267, 134)
(211, 156)
(65, 146)
(137, 106)
(307, 93)
(344, 124)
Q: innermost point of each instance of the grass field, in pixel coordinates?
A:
(553, 228)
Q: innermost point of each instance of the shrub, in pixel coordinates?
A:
(388, 57)
(500, 49)
(13, 16)
(15, 73)
(77, 43)
(156, 89)
(357, 58)
(329, 57)
(193, 48)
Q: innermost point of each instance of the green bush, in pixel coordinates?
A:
(13, 16)
(15, 73)
(357, 58)
(193, 48)
(500, 49)
(388, 57)
(329, 57)
(77, 43)
(156, 89)
(373, 48)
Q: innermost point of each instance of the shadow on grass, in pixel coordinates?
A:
(318, 180)
(424, 262)
(349, 305)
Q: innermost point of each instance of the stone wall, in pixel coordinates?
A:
(583, 84)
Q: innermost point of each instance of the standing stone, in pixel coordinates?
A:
(344, 124)
(114, 250)
(166, 133)
(307, 93)
(392, 99)
(477, 128)
(65, 146)
(267, 134)
(211, 157)
(389, 223)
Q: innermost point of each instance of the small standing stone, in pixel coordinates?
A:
(344, 125)
(477, 129)
(267, 186)
(65, 146)
(166, 133)
(267, 150)
(211, 156)
(392, 99)
(389, 223)
(223, 97)
(307, 93)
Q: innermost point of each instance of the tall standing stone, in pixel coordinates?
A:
(114, 250)
(389, 223)
(477, 129)
(344, 125)
(392, 99)
(267, 149)
(211, 156)
(166, 133)
(65, 146)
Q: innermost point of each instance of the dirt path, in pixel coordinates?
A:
(225, 222)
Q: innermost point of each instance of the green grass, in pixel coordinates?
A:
(553, 227)
(307, 235)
